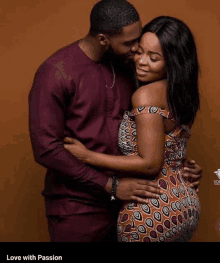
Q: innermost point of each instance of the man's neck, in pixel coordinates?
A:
(91, 48)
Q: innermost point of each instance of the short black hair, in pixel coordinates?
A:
(180, 54)
(110, 16)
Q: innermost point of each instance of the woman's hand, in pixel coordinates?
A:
(77, 149)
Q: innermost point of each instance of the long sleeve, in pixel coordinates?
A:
(48, 102)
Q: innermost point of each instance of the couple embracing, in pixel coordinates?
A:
(110, 117)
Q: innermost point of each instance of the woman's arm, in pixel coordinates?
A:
(150, 140)
(149, 162)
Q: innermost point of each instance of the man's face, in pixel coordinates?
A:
(125, 44)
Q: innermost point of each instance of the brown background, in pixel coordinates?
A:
(30, 32)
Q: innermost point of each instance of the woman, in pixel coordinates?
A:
(153, 136)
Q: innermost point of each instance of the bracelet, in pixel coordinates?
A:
(115, 183)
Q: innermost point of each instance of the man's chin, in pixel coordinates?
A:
(129, 59)
(124, 59)
(110, 56)
(116, 58)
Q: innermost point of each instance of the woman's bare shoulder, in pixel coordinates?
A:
(152, 94)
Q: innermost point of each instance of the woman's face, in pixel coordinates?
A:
(149, 60)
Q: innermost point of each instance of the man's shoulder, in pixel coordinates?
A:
(65, 54)
(68, 60)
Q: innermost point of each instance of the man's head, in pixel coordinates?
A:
(116, 25)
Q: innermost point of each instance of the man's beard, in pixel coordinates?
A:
(121, 59)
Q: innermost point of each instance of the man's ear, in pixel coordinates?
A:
(103, 40)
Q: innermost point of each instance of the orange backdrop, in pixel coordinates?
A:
(33, 30)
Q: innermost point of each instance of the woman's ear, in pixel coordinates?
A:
(103, 40)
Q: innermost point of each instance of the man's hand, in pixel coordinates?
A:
(193, 173)
(135, 190)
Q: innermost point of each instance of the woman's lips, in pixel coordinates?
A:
(141, 72)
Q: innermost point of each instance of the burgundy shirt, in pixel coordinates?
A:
(69, 97)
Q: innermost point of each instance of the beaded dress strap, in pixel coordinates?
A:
(162, 112)
(152, 109)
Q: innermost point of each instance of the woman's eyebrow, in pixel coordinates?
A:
(150, 51)
(154, 52)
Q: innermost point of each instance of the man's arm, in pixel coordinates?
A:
(193, 173)
(48, 100)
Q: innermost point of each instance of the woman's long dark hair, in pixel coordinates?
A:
(182, 67)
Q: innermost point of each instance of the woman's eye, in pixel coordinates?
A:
(153, 59)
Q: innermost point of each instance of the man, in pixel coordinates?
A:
(82, 91)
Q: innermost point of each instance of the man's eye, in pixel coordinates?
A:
(129, 44)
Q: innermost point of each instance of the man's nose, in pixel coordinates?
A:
(135, 47)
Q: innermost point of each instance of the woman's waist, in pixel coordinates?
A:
(172, 176)
(174, 164)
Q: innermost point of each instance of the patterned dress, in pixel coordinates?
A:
(174, 216)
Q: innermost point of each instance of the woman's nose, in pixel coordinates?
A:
(143, 60)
